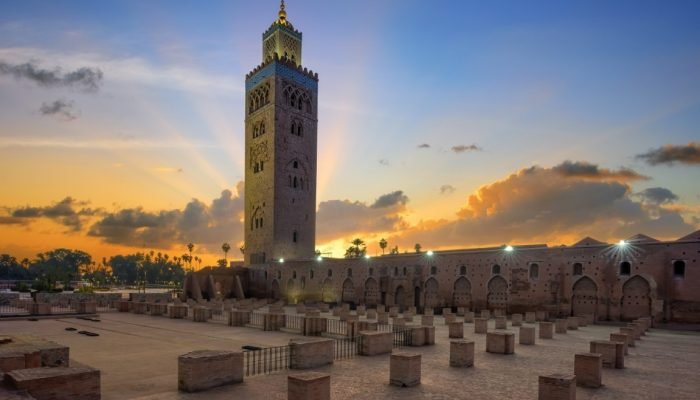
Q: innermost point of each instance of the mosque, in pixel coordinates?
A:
(637, 277)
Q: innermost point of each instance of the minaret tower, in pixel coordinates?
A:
(280, 159)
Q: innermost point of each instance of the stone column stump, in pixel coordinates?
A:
(516, 319)
(530, 317)
(405, 369)
(205, 369)
(527, 335)
(588, 368)
(572, 323)
(461, 353)
(500, 342)
(450, 318)
(123, 306)
(501, 323)
(485, 314)
(481, 325)
(372, 314)
(460, 311)
(613, 353)
(622, 338)
(426, 320)
(456, 330)
(469, 317)
(546, 330)
(541, 315)
(557, 387)
(560, 325)
(200, 314)
(630, 336)
(309, 386)
(383, 318)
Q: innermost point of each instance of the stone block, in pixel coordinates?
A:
(447, 311)
(87, 307)
(429, 335)
(205, 369)
(344, 314)
(309, 386)
(315, 326)
(572, 323)
(557, 387)
(336, 311)
(371, 314)
(10, 361)
(426, 320)
(642, 326)
(383, 318)
(461, 353)
(375, 343)
(412, 310)
(428, 311)
(546, 330)
(361, 310)
(398, 321)
(560, 325)
(307, 354)
(516, 319)
(530, 317)
(485, 314)
(345, 307)
(456, 330)
(541, 315)
(450, 318)
(637, 329)
(469, 317)
(381, 308)
(157, 309)
(588, 368)
(405, 369)
(123, 306)
(501, 323)
(613, 353)
(393, 312)
(622, 338)
(460, 311)
(527, 335)
(418, 336)
(58, 383)
(481, 325)
(408, 317)
(630, 336)
(500, 342)
(323, 307)
(200, 314)
(300, 308)
(239, 317)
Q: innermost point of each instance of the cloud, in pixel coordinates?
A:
(168, 170)
(69, 212)
(384, 162)
(583, 169)
(61, 108)
(9, 220)
(84, 78)
(390, 199)
(671, 154)
(447, 189)
(424, 146)
(542, 205)
(464, 148)
(206, 225)
(657, 195)
(338, 218)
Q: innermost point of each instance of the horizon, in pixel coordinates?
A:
(462, 126)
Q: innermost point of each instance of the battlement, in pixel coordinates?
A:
(286, 28)
(307, 77)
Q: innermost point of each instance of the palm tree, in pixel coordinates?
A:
(226, 247)
(382, 244)
(190, 247)
(417, 247)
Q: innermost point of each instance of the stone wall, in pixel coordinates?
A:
(102, 299)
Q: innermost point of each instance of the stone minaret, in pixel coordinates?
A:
(280, 160)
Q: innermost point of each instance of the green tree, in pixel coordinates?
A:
(357, 250)
(382, 244)
(190, 247)
(10, 268)
(60, 265)
(418, 247)
(222, 262)
(226, 247)
(395, 250)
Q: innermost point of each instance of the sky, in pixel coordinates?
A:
(452, 124)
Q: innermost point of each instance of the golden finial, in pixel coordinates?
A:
(282, 20)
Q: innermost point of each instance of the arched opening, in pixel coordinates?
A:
(349, 272)
(497, 297)
(578, 269)
(400, 297)
(636, 299)
(372, 294)
(292, 291)
(625, 268)
(433, 270)
(431, 294)
(534, 271)
(275, 290)
(462, 293)
(679, 269)
(348, 292)
(416, 297)
(584, 297)
(463, 270)
(496, 269)
(327, 292)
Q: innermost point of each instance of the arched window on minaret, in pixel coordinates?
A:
(294, 236)
(295, 182)
(293, 100)
(294, 126)
(300, 131)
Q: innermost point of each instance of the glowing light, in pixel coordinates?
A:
(429, 253)
(367, 256)
(319, 258)
(509, 248)
(622, 243)
(281, 260)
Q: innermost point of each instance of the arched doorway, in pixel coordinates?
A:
(584, 299)
(462, 294)
(275, 290)
(371, 292)
(327, 292)
(636, 299)
(348, 291)
(400, 297)
(498, 293)
(292, 291)
(431, 294)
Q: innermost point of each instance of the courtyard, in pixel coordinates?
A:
(137, 357)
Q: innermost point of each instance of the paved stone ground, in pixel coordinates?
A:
(138, 358)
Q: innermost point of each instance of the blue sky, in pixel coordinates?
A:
(528, 83)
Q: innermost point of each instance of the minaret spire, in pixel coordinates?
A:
(282, 20)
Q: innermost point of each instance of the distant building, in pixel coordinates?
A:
(638, 277)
